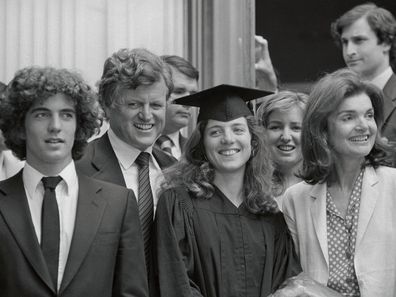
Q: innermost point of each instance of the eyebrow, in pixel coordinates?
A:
(40, 108)
(353, 111)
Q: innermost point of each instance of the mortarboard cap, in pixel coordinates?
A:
(222, 103)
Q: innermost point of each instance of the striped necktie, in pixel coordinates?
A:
(145, 203)
(50, 227)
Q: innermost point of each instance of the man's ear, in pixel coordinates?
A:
(386, 47)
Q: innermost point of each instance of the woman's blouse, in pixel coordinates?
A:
(209, 247)
(341, 240)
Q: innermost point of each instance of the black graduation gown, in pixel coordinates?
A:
(209, 247)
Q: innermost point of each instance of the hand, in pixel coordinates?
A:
(304, 286)
(265, 73)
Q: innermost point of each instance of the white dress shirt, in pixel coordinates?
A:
(381, 79)
(126, 155)
(66, 197)
(175, 149)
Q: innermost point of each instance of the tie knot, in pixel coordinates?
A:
(164, 140)
(143, 159)
(50, 182)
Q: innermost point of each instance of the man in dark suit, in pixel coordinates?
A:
(185, 80)
(62, 233)
(367, 36)
(133, 91)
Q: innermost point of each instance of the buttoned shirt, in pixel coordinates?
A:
(341, 237)
(126, 156)
(381, 79)
(66, 197)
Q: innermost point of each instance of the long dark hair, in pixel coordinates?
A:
(195, 173)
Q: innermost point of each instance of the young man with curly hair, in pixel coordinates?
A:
(62, 233)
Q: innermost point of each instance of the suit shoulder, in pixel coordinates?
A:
(298, 189)
(386, 173)
(298, 194)
(104, 185)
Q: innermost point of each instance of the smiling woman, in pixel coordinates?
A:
(347, 201)
(281, 115)
(217, 226)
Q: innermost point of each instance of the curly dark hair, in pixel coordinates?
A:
(327, 94)
(380, 20)
(129, 69)
(39, 83)
(195, 173)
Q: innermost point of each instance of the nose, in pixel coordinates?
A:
(54, 124)
(145, 113)
(228, 137)
(362, 124)
(285, 136)
(349, 49)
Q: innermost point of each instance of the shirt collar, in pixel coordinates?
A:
(381, 79)
(174, 137)
(32, 178)
(125, 153)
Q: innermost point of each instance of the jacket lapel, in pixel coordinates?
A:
(318, 214)
(15, 210)
(368, 201)
(106, 162)
(389, 96)
(90, 209)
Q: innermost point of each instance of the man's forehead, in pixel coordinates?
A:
(357, 28)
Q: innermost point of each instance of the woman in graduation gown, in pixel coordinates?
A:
(218, 231)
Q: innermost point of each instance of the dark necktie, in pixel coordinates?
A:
(50, 226)
(145, 203)
(165, 143)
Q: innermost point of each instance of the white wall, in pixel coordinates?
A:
(81, 34)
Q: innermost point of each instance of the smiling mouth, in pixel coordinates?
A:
(143, 127)
(361, 138)
(229, 152)
(286, 148)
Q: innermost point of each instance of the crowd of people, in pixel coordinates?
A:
(292, 199)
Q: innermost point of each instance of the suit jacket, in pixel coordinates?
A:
(304, 207)
(100, 161)
(106, 257)
(389, 127)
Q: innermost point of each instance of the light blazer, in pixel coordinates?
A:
(304, 207)
(106, 257)
(99, 161)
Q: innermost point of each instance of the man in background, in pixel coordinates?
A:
(185, 80)
(367, 36)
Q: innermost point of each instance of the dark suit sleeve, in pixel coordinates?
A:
(130, 277)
